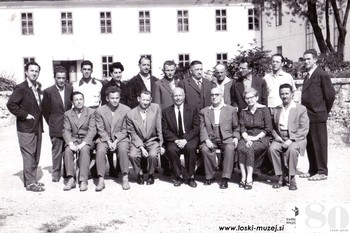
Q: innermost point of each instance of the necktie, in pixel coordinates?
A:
(179, 119)
(199, 83)
(36, 94)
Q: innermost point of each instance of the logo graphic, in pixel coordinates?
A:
(296, 211)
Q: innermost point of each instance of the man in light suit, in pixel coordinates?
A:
(223, 82)
(291, 125)
(180, 124)
(163, 96)
(317, 96)
(25, 104)
(111, 127)
(197, 88)
(144, 124)
(219, 128)
(56, 101)
(79, 129)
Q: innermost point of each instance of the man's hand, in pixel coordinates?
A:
(181, 143)
(72, 146)
(286, 144)
(30, 117)
(209, 144)
(235, 142)
(144, 152)
(248, 143)
(110, 145)
(162, 150)
(81, 145)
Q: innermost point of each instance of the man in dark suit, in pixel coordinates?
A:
(143, 81)
(56, 101)
(317, 96)
(25, 104)
(219, 129)
(144, 124)
(197, 88)
(180, 124)
(247, 81)
(113, 137)
(291, 125)
(79, 129)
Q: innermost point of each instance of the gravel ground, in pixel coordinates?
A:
(157, 208)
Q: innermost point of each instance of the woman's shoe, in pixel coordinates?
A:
(241, 184)
(248, 185)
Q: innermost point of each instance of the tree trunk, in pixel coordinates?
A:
(328, 34)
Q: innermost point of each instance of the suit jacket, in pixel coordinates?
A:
(190, 120)
(112, 127)
(140, 135)
(195, 96)
(237, 90)
(318, 95)
(229, 124)
(113, 83)
(163, 93)
(53, 108)
(298, 124)
(83, 128)
(227, 90)
(23, 102)
(134, 87)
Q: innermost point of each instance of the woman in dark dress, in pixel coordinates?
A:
(256, 127)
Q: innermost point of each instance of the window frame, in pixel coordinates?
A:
(220, 20)
(253, 20)
(185, 61)
(66, 20)
(105, 65)
(105, 18)
(26, 29)
(182, 25)
(145, 22)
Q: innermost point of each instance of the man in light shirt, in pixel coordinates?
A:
(223, 82)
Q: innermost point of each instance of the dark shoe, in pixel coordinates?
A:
(55, 179)
(150, 180)
(178, 182)
(100, 185)
(83, 186)
(69, 185)
(209, 182)
(224, 184)
(35, 188)
(140, 179)
(40, 184)
(248, 186)
(293, 186)
(192, 183)
(241, 184)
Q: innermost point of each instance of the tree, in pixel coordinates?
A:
(314, 11)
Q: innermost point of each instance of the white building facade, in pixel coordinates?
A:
(68, 32)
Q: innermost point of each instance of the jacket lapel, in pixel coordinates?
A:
(223, 114)
(115, 118)
(31, 94)
(307, 83)
(138, 121)
(108, 116)
(66, 98)
(173, 117)
(58, 96)
(83, 117)
(166, 85)
(75, 118)
(193, 84)
(277, 120)
(149, 119)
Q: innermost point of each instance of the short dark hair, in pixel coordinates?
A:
(59, 69)
(116, 65)
(31, 63)
(76, 93)
(146, 92)
(249, 63)
(313, 52)
(286, 85)
(278, 55)
(86, 62)
(145, 57)
(195, 62)
(169, 63)
(112, 89)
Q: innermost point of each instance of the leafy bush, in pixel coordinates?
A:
(7, 82)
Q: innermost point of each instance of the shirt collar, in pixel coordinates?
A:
(311, 71)
(221, 105)
(181, 106)
(30, 84)
(196, 80)
(59, 88)
(224, 82)
(145, 78)
(291, 105)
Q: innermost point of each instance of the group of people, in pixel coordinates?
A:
(251, 121)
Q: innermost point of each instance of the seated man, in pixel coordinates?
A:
(291, 125)
(79, 129)
(219, 128)
(144, 124)
(111, 127)
(180, 123)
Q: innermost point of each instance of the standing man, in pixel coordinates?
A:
(116, 71)
(144, 125)
(143, 81)
(56, 101)
(291, 125)
(197, 88)
(219, 129)
(223, 82)
(79, 129)
(245, 82)
(25, 104)
(113, 136)
(89, 86)
(180, 123)
(317, 96)
(275, 79)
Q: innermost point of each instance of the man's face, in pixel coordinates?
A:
(286, 95)
(117, 74)
(309, 61)
(33, 72)
(220, 72)
(276, 63)
(60, 79)
(78, 101)
(244, 69)
(169, 71)
(86, 70)
(216, 97)
(178, 96)
(197, 71)
(145, 66)
(113, 99)
(144, 101)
